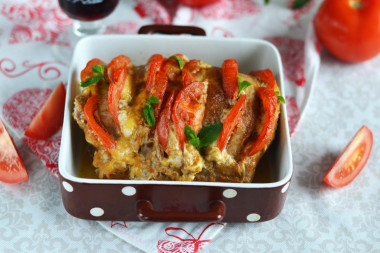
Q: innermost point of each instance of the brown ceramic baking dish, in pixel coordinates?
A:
(135, 200)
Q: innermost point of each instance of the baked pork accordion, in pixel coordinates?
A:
(176, 119)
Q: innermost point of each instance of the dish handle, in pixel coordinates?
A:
(172, 29)
(146, 212)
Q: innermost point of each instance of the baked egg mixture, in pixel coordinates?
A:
(176, 119)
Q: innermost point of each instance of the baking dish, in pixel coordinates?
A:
(134, 200)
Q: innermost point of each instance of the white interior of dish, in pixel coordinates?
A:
(250, 54)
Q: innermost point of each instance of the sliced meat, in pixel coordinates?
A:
(246, 122)
(103, 112)
(216, 101)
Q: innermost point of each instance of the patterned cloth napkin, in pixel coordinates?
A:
(29, 70)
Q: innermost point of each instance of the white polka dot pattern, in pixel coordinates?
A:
(97, 211)
(253, 217)
(229, 193)
(129, 190)
(68, 187)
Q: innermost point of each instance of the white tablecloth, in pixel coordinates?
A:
(315, 218)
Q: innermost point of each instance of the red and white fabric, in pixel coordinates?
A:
(29, 71)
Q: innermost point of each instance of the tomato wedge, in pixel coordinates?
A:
(117, 72)
(269, 102)
(352, 160)
(266, 75)
(230, 78)
(189, 72)
(87, 71)
(230, 122)
(12, 169)
(89, 108)
(49, 118)
(163, 121)
(189, 109)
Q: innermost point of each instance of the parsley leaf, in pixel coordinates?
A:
(97, 69)
(179, 61)
(206, 136)
(149, 110)
(209, 134)
(243, 85)
(191, 136)
(91, 80)
(279, 97)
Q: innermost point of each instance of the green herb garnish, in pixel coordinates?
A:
(243, 84)
(206, 136)
(149, 110)
(178, 60)
(191, 136)
(97, 69)
(279, 97)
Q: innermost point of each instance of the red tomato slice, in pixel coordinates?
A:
(87, 71)
(171, 67)
(156, 57)
(163, 122)
(189, 72)
(89, 108)
(231, 121)
(159, 89)
(49, 119)
(352, 160)
(189, 109)
(117, 72)
(154, 67)
(230, 78)
(266, 75)
(12, 169)
(269, 103)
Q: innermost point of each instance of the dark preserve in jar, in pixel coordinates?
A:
(88, 10)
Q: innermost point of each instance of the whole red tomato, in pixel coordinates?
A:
(349, 29)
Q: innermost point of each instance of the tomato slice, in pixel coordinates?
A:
(266, 75)
(189, 109)
(89, 108)
(117, 72)
(189, 72)
(230, 122)
(12, 169)
(156, 57)
(171, 67)
(352, 160)
(87, 71)
(230, 78)
(269, 102)
(154, 67)
(159, 89)
(49, 118)
(157, 80)
(163, 121)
